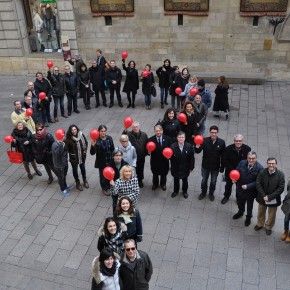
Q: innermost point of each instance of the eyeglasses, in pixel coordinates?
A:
(130, 249)
(39, 130)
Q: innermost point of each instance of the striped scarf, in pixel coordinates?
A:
(81, 145)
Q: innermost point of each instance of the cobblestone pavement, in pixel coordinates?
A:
(48, 241)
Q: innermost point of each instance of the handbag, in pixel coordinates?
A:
(153, 91)
(15, 156)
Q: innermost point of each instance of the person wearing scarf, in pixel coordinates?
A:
(77, 146)
(41, 145)
(105, 271)
(192, 84)
(131, 218)
(112, 235)
(182, 81)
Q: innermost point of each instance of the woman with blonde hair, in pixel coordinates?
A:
(128, 150)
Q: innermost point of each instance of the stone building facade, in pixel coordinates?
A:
(221, 42)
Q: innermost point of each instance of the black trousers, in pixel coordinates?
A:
(114, 89)
(72, 102)
(61, 174)
(177, 184)
(156, 179)
(242, 204)
(228, 186)
(98, 90)
(85, 94)
(105, 184)
(140, 168)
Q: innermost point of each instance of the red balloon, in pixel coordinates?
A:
(94, 134)
(150, 146)
(59, 134)
(29, 112)
(167, 152)
(182, 117)
(128, 121)
(178, 91)
(198, 139)
(235, 175)
(8, 139)
(49, 64)
(124, 54)
(145, 73)
(193, 91)
(109, 173)
(42, 95)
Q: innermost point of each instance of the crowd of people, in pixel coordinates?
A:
(120, 265)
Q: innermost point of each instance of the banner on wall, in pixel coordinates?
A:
(48, 1)
(65, 47)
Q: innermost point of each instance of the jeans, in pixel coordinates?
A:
(163, 95)
(75, 171)
(98, 90)
(72, 101)
(177, 185)
(48, 25)
(242, 204)
(147, 100)
(213, 178)
(179, 104)
(61, 174)
(45, 113)
(57, 99)
(286, 223)
(173, 97)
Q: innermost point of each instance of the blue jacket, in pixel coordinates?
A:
(247, 178)
(205, 97)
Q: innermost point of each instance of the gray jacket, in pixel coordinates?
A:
(129, 154)
(59, 154)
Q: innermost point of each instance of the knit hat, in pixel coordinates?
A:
(105, 254)
(201, 83)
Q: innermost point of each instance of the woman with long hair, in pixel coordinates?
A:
(170, 124)
(77, 146)
(85, 83)
(147, 84)
(189, 127)
(221, 102)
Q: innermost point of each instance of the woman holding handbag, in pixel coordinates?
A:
(23, 143)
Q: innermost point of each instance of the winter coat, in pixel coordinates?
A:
(97, 76)
(43, 86)
(20, 117)
(163, 76)
(173, 80)
(132, 80)
(117, 171)
(42, 149)
(147, 84)
(248, 177)
(201, 111)
(182, 162)
(158, 163)
(29, 124)
(134, 228)
(212, 158)
(171, 128)
(271, 185)
(221, 102)
(189, 127)
(73, 152)
(100, 152)
(102, 64)
(182, 81)
(187, 89)
(137, 279)
(101, 281)
(113, 74)
(71, 83)
(232, 157)
(77, 64)
(20, 139)
(129, 154)
(57, 83)
(286, 202)
(59, 155)
(139, 141)
(205, 97)
(84, 78)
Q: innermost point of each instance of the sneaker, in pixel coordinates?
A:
(65, 192)
(70, 186)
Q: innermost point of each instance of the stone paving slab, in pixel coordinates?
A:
(48, 241)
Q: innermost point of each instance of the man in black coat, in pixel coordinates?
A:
(113, 78)
(136, 268)
(212, 163)
(139, 140)
(77, 62)
(159, 164)
(233, 154)
(72, 89)
(182, 163)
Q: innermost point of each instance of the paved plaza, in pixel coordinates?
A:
(48, 242)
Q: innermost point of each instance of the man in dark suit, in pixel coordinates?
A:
(182, 163)
(159, 164)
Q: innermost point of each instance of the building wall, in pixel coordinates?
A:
(222, 42)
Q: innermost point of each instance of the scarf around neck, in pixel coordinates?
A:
(115, 241)
(127, 218)
(40, 134)
(81, 145)
(108, 271)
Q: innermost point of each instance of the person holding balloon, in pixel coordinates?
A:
(173, 80)
(77, 146)
(102, 146)
(158, 162)
(170, 124)
(131, 84)
(182, 163)
(182, 82)
(28, 104)
(190, 89)
(201, 111)
(245, 182)
(22, 140)
(148, 82)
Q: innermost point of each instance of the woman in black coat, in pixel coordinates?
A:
(182, 163)
(22, 141)
(85, 86)
(221, 102)
(41, 144)
(131, 82)
(147, 84)
(103, 148)
(97, 79)
(163, 74)
(173, 80)
(170, 124)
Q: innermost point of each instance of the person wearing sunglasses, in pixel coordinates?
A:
(132, 262)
